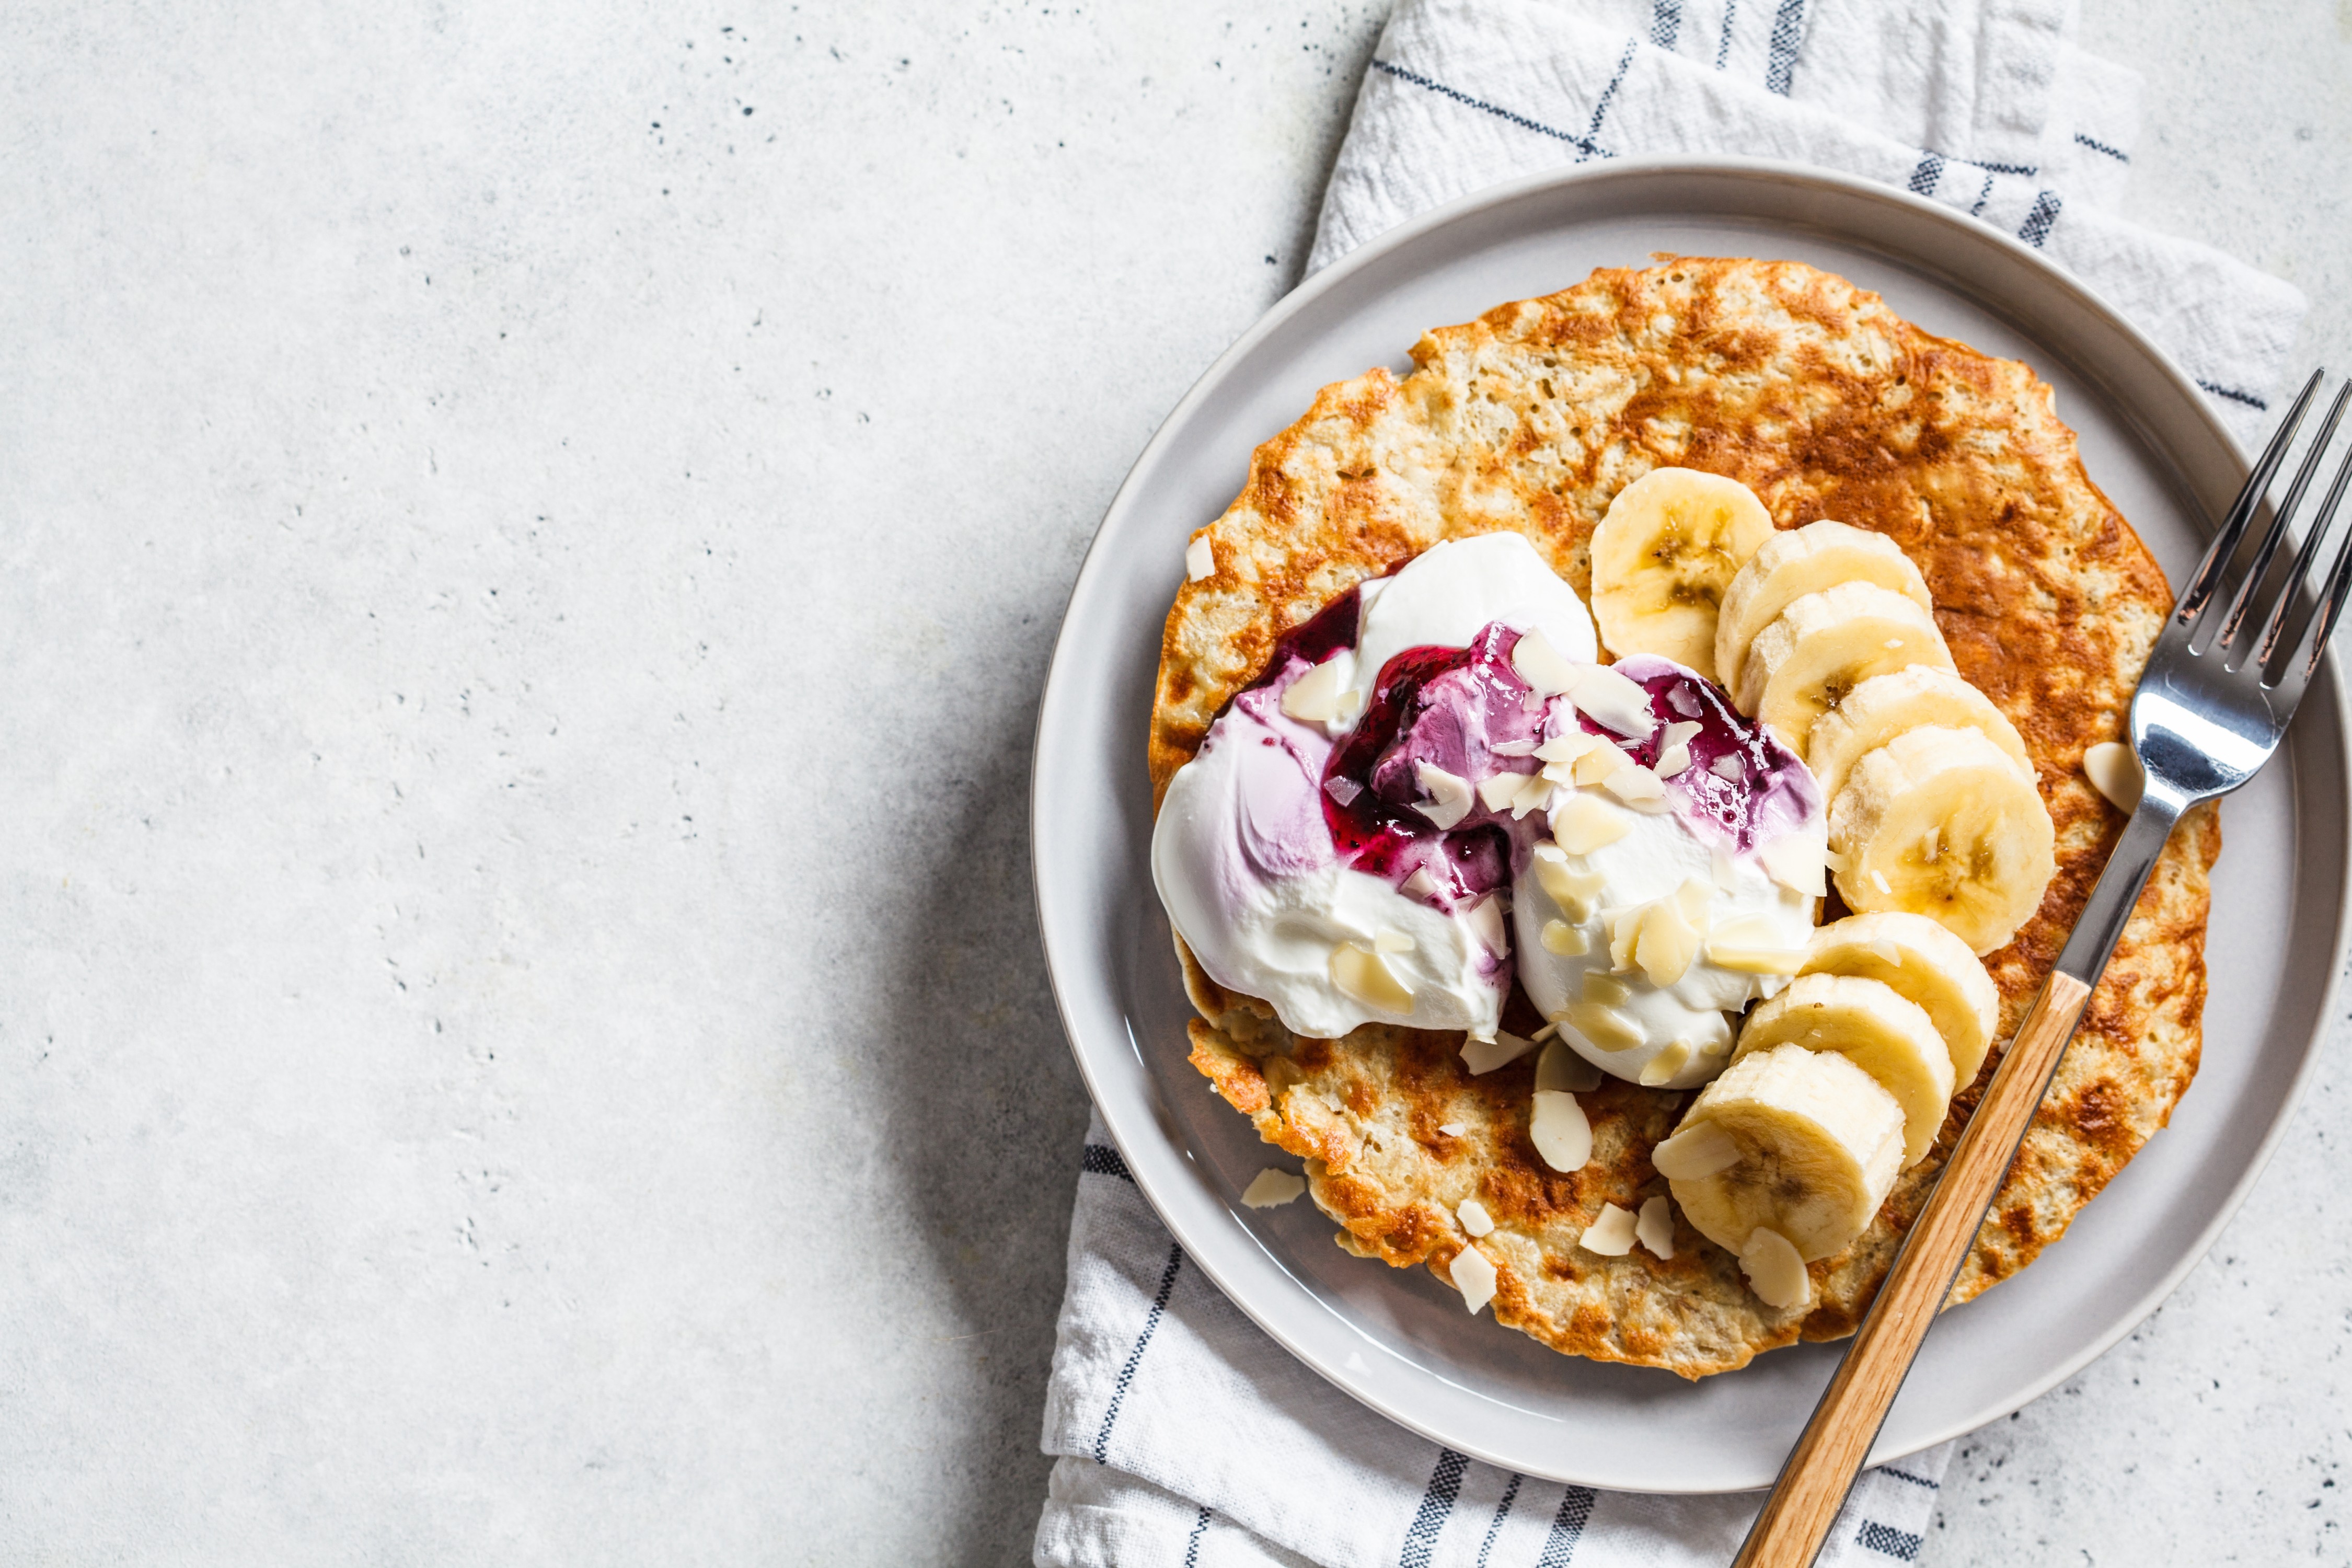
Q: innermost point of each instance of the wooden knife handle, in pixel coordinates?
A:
(1821, 1468)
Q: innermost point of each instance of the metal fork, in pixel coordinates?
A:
(2210, 708)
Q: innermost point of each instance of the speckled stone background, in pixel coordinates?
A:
(531, 536)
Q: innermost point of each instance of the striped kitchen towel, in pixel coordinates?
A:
(1185, 1437)
(1983, 105)
(1182, 1433)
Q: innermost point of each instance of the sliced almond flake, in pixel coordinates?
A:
(1314, 697)
(1669, 1061)
(1271, 1188)
(1878, 880)
(1542, 666)
(1728, 766)
(1474, 1217)
(1390, 938)
(1362, 975)
(1612, 1235)
(1673, 761)
(1564, 939)
(1603, 1028)
(1483, 1056)
(1569, 745)
(1607, 989)
(1625, 930)
(1598, 764)
(1342, 788)
(1199, 558)
(1473, 1275)
(1666, 945)
(1535, 794)
(1775, 1269)
(1453, 1129)
(2114, 771)
(1695, 1153)
(1615, 702)
(1525, 748)
(1546, 1032)
(1656, 1228)
(1742, 960)
(1584, 823)
(1556, 1126)
(1638, 789)
(1449, 796)
(1421, 884)
(1681, 731)
(1485, 919)
(1499, 791)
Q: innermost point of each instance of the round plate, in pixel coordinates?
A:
(1396, 1339)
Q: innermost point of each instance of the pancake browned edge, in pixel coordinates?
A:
(1826, 403)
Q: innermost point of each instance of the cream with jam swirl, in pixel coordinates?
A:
(1348, 838)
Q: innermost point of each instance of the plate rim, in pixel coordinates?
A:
(1056, 696)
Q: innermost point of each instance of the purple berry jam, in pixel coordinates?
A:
(1741, 778)
(1449, 708)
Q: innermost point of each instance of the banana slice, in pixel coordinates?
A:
(1885, 705)
(1872, 1026)
(1940, 823)
(1808, 560)
(1824, 645)
(1802, 1142)
(1924, 965)
(1662, 558)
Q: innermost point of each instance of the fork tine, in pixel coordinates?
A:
(2313, 536)
(2313, 641)
(2252, 583)
(2207, 576)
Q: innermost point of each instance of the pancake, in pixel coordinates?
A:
(1826, 403)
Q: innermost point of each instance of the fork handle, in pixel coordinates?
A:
(1821, 1470)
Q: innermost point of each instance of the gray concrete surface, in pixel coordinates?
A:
(533, 535)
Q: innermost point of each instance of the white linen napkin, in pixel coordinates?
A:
(1186, 1439)
(1182, 1435)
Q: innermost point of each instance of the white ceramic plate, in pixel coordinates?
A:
(1396, 1339)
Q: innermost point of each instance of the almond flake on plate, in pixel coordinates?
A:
(1272, 1188)
(1474, 1276)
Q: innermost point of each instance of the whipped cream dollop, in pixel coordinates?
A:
(1347, 842)
(1646, 923)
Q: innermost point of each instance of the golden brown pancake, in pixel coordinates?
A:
(1826, 403)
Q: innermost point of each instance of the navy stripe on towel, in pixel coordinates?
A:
(2038, 221)
(1907, 1475)
(1788, 36)
(2117, 153)
(1502, 1512)
(1522, 122)
(2234, 396)
(1923, 178)
(1436, 1507)
(1567, 1528)
(1889, 1542)
(1624, 63)
(1192, 1546)
(1102, 1160)
(1723, 44)
(1135, 1356)
(1665, 22)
